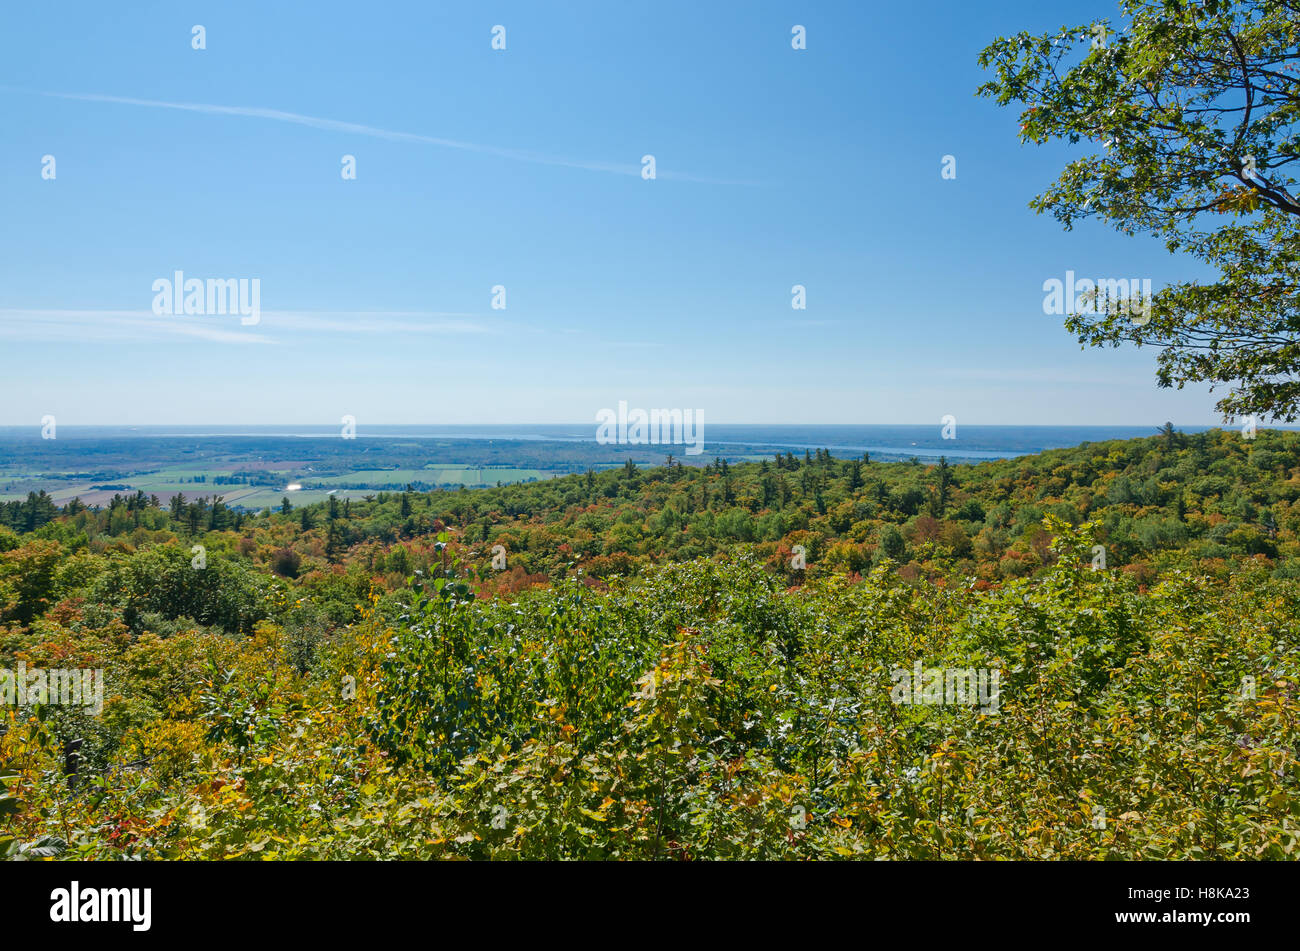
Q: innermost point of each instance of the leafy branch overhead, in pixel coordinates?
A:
(1190, 111)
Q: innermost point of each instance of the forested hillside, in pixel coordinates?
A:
(1208, 496)
(677, 663)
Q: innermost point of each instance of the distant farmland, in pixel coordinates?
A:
(253, 486)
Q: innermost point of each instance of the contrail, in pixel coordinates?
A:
(354, 128)
(45, 324)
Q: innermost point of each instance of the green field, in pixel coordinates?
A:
(168, 481)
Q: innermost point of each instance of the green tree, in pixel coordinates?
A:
(943, 485)
(166, 581)
(892, 544)
(27, 579)
(1190, 113)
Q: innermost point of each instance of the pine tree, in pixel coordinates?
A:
(939, 498)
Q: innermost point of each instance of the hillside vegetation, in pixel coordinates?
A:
(651, 675)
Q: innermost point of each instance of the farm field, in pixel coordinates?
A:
(195, 482)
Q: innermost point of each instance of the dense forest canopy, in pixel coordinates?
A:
(677, 662)
(1210, 495)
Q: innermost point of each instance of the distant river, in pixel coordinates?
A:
(971, 442)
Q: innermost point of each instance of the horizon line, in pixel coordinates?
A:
(331, 426)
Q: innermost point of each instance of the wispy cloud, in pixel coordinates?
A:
(354, 128)
(38, 324)
(377, 321)
(119, 325)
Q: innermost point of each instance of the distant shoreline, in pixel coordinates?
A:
(897, 441)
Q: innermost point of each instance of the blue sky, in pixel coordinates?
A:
(521, 168)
